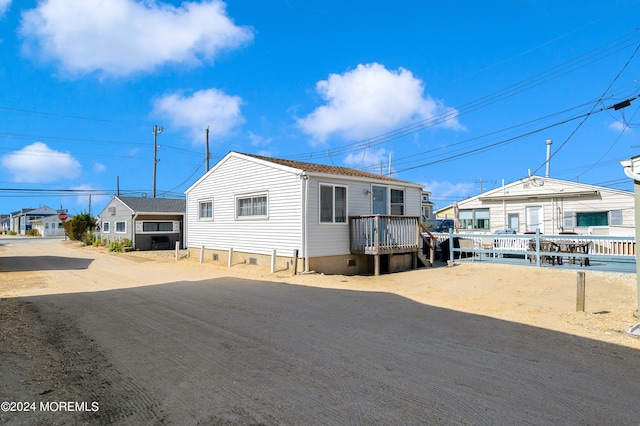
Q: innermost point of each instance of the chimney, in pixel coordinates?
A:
(549, 142)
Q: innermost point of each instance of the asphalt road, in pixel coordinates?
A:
(237, 351)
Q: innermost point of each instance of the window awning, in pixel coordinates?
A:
(539, 196)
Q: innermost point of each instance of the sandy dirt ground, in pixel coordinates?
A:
(92, 337)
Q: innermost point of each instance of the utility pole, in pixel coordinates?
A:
(156, 131)
(207, 151)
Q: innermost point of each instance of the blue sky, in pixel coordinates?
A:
(458, 94)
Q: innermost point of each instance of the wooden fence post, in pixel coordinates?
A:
(229, 263)
(295, 262)
(581, 292)
(273, 261)
(201, 254)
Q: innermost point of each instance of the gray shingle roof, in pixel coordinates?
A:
(155, 205)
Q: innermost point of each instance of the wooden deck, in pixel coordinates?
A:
(385, 234)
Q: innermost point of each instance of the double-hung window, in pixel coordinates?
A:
(251, 206)
(105, 227)
(205, 210)
(333, 204)
(397, 202)
(121, 227)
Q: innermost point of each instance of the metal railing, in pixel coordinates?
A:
(383, 234)
(542, 247)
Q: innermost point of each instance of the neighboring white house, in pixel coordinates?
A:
(49, 226)
(255, 205)
(551, 205)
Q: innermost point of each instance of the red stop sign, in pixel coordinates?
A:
(62, 216)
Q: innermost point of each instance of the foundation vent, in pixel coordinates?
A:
(215, 256)
(351, 262)
(253, 261)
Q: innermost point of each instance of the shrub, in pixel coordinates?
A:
(78, 226)
(119, 245)
(33, 232)
(13, 233)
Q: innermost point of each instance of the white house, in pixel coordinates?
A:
(551, 205)
(255, 205)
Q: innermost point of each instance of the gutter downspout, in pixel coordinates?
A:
(133, 231)
(305, 208)
(305, 238)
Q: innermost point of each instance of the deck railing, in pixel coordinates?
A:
(541, 246)
(384, 234)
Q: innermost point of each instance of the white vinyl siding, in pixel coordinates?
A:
(236, 178)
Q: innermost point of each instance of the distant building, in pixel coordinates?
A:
(550, 205)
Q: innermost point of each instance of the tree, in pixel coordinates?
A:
(78, 226)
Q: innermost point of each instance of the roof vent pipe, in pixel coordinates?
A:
(549, 142)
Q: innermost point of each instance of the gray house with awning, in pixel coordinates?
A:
(150, 223)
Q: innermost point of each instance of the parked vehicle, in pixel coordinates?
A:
(439, 225)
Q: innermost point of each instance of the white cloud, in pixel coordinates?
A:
(120, 37)
(257, 140)
(98, 167)
(4, 6)
(363, 159)
(371, 100)
(206, 108)
(448, 191)
(82, 201)
(619, 126)
(37, 163)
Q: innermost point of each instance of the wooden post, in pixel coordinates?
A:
(581, 292)
(376, 265)
(177, 249)
(295, 262)
(537, 246)
(201, 254)
(230, 262)
(273, 261)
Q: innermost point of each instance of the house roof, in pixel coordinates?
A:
(537, 187)
(325, 169)
(155, 205)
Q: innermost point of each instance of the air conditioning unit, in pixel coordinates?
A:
(111, 211)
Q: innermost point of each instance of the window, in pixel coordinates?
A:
(105, 227)
(466, 219)
(474, 219)
(481, 219)
(333, 204)
(592, 219)
(121, 227)
(254, 206)
(616, 217)
(205, 210)
(568, 221)
(514, 221)
(397, 202)
(157, 226)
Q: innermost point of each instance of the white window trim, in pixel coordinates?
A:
(115, 231)
(404, 199)
(108, 231)
(333, 212)
(251, 195)
(205, 219)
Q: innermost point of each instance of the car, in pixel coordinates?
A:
(439, 225)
